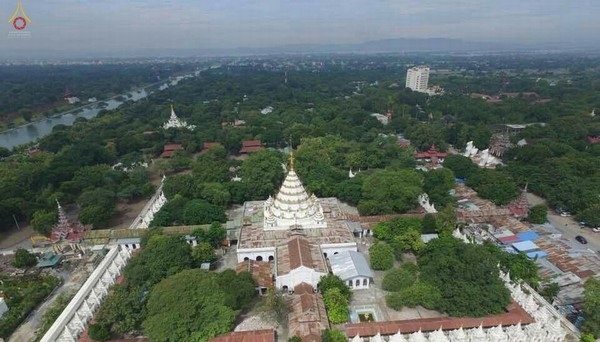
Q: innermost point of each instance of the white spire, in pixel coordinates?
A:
(377, 338)
(175, 122)
(357, 338)
(438, 336)
(496, 334)
(477, 334)
(397, 337)
(458, 335)
(417, 337)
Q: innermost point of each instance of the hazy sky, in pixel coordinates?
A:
(119, 25)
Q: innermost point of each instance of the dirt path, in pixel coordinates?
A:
(16, 238)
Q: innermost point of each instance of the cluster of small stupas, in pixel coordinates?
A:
(175, 122)
(482, 158)
(65, 229)
(292, 206)
(152, 208)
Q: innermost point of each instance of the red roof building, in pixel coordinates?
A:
(169, 149)
(261, 271)
(514, 314)
(249, 146)
(432, 154)
(265, 335)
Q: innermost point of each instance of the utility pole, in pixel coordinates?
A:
(17, 223)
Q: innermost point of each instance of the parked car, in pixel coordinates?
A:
(581, 239)
(596, 230)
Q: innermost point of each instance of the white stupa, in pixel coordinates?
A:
(292, 206)
(175, 122)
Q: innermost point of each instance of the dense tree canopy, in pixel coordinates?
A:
(181, 309)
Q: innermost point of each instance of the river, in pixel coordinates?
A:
(37, 129)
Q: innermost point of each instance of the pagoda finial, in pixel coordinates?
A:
(291, 154)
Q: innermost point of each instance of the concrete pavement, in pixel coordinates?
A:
(569, 226)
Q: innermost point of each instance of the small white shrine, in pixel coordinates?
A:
(175, 122)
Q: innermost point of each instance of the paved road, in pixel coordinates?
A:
(569, 226)
(26, 331)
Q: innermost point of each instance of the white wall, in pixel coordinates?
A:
(361, 283)
(253, 253)
(331, 249)
(301, 274)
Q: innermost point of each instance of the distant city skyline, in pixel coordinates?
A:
(111, 27)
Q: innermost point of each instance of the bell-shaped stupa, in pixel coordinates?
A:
(292, 207)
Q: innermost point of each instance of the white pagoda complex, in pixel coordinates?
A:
(175, 122)
(295, 231)
(292, 206)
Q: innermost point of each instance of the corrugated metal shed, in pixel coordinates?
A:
(527, 236)
(350, 264)
(525, 246)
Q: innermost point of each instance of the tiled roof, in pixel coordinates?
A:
(261, 271)
(252, 234)
(515, 314)
(265, 335)
(308, 317)
(299, 252)
(173, 147)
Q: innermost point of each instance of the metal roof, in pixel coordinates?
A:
(525, 246)
(350, 264)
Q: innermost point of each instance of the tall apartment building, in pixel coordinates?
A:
(417, 78)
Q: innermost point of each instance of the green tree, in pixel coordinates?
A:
(390, 191)
(24, 259)
(215, 193)
(446, 220)
(549, 291)
(43, 221)
(95, 215)
(215, 234)
(585, 337)
(381, 256)
(331, 281)
(333, 335)
(337, 306)
(538, 214)
(418, 293)
(591, 306)
(461, 166)
(276, 303)
(202, 212)
(261, 173)
(297, 338)
(241, 288)
(591, 216)
(398, 279)
(181, 309)
(449, 265)
(429, 224)
(98, 332)
(204, 253)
